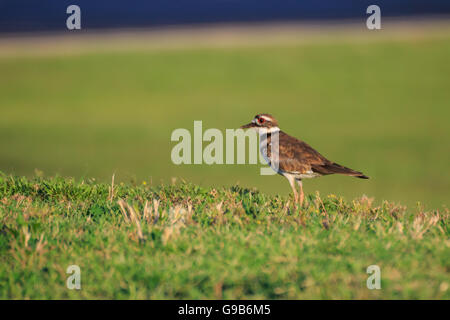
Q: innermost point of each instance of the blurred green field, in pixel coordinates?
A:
(381, 107)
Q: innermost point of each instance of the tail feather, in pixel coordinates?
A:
(332, 167)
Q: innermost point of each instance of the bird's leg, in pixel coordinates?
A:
(302, 195)
(292, 183)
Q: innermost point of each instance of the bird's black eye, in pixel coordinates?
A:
(261, 120)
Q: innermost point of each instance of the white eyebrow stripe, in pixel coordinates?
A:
(266, 118)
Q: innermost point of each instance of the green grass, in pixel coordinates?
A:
(381, 107)
(229, 243)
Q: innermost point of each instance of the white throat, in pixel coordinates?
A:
(263, 130)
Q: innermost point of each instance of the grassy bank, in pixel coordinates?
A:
(195, 242)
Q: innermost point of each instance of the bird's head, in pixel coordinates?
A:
(263, 123)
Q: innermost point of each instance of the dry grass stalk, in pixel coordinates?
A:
(400, 227)
(218, 207)
(155, 209)
(41, 244)
(178, 218)
(325, 221)
(134, 217)
(287, 206)
(111, 189)
(123, 210)
(147, 213)
(27, 235)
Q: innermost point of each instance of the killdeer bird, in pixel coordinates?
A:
(296, 159)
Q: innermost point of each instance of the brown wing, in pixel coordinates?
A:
(298, 156)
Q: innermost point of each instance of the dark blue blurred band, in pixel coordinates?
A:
(50, 15)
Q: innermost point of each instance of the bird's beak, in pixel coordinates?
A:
(250, 125)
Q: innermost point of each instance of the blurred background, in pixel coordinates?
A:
(105, 99)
